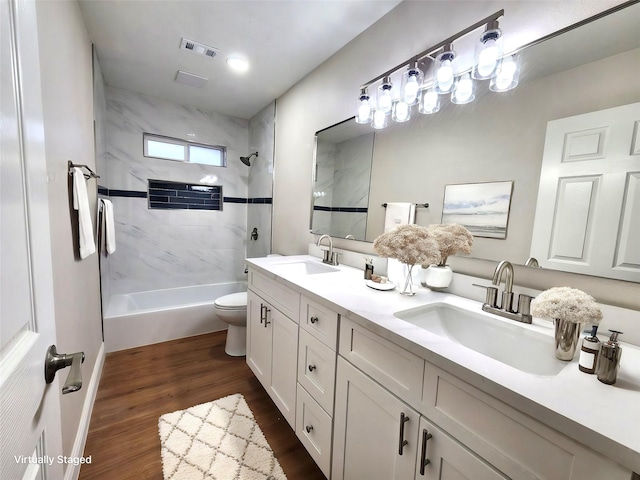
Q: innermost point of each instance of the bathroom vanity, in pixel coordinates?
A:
(381, 386)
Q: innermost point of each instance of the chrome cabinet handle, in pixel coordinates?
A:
(308, 428)
(312, 368)
(55, 361)
(424, 461)
(401, 441)
(314, 319)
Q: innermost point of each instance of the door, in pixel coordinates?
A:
(589, 195)
(258, 339)
(371, 427)
(284, 362)
(443, 458)
(30, 435)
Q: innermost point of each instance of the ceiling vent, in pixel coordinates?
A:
(191, 79)
(199, 48)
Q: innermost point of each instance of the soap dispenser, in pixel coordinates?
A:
(589, 352)
(609, 359)
(368, 268)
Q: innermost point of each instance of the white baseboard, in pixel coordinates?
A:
(73, 471)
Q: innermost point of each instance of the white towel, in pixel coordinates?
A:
(109, 225)
(399, 214)
(81, 204)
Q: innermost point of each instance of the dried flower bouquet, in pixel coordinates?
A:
(568, 304)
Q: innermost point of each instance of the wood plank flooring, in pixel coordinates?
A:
(141, 384)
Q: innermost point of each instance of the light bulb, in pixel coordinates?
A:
(401, 111)
(488, 58)
(364, 112)
(430, 102)
(379, 119)
(411, 89)
(445, 75)
(384, 101)
(507, 77)
(463, 92)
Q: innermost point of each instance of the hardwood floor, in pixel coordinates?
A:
(141, 384)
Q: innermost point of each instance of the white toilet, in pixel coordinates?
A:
(232, 309)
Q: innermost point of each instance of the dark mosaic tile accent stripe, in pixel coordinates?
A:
(263, 200)
(235, 200)
(127, 193)
(103, 191)
(341, 209)
(186, 196)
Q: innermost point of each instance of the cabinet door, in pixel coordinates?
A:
(258, 339)
(284, 363)
(369, 432)
(442, 458)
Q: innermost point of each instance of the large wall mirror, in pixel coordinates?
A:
(498, 138)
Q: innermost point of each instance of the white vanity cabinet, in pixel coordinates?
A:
(272, 341)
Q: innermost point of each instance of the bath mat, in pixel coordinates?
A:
(219, 440)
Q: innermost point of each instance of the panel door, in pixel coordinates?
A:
(284, 363)
(368, 430)
(443, 458)
(258, 339)
(589, 196)
(30, 430)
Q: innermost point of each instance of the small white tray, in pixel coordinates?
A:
(380, 286)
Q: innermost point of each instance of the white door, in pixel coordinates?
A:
(369, 431)
(589, 198)
(284, 362)
(258, 339)
(29, 409)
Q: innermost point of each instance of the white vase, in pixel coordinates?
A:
(437, 277)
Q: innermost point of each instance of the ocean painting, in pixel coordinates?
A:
(483, 208)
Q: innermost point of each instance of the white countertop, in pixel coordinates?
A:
(606, 418)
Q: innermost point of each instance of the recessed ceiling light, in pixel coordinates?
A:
(238, 64)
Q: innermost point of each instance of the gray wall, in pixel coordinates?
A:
(67, 91)
(406, 30)
(158, 249)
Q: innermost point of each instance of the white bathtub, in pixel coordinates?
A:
(136, 319)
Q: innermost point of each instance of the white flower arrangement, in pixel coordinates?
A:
(568, 304)
(452, 238)
(410, 244)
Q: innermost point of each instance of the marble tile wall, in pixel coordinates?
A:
(159, 249)
(261, 140)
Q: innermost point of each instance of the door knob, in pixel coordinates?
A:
(55, 361)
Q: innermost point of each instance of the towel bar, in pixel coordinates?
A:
(418, 205)
(91, 173)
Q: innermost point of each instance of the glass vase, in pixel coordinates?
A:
(567, 335)
(408, 287)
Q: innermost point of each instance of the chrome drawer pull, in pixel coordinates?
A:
(401, 441)
(312, 368)
(314, 319)
(424, 461)
(308, 428)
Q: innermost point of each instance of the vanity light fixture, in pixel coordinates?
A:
(365, 109)
(449, 78)
(488, 52)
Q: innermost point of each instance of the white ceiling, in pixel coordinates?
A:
(138, 45)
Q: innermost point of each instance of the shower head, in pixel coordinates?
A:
(247, 160)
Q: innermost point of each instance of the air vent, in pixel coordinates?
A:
(199, 48)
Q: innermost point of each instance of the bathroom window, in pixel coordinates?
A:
(167, 148)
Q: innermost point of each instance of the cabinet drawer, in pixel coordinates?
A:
(313, 428)
(319, 321)
(516, 444)
(317, 370)
(281, 297)
(392, 366)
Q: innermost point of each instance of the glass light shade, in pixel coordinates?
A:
(488, 53)
(508, 74)
(380, 119)
(411, 83)
(364, 112)
(444, 77)
(430, 102)
(401, 111)
(464, 90)
(385, 99)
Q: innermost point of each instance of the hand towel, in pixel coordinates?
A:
(399, 214)
(109, 225)
(81, 204)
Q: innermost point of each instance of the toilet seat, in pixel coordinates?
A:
(234, 301)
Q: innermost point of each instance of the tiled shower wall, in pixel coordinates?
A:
(159, 249)
(261, 140)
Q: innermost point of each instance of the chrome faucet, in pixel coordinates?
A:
(532, 262)
(330, 257)
(520, 314)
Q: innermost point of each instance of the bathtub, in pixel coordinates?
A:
(136, 319)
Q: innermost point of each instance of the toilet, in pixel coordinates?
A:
(232, 309)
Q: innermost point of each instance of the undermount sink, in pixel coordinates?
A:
(304, 267)
(509, 343)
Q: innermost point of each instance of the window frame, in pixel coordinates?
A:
(146, 136)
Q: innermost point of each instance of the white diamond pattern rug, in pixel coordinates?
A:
(218, 440)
